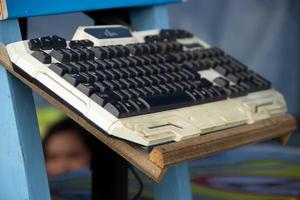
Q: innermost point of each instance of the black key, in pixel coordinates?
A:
(58, 42)
(234, 78)
(74, 79)
(120, 108)
(47, 43)
(123, 95)
(217, 92)
(86, 43)
(42, 56)
(76, 56)
(134, 49)
(101, 98)
(123, 50)
(102, 75)
(236, 62)
(90, 55)
(110, 63)
(80, 54)
(87, 88)
(60, 55)
(35, 44)
(168, 101)
(126, 62)
(99, 52)
(192, 74)
(75, 44)
(235, 91)
(95, 75)
(204, 83)
(120, 84)
(102, 86)
(222, 70)
(58, 68)
(111, 85)
(221, 81)
(70, 67)
(88, 66)
(204, 95)
(93, 63)
(78, 66)
(142, 106)
(88, 77)
(119, 63)
(247, 86)
(263, 82)
(102, 64)
(125, 72)
(72, 55)
(193, 45)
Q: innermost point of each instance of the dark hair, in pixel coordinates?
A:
(70, 125)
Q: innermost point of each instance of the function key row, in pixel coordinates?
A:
(56, 42)
(46, 43)
(168, 35)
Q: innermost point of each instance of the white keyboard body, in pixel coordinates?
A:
(154, 128)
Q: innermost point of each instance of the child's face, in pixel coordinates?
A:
(66, 152)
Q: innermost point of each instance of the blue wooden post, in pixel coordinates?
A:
(22, 169)
(176, 183)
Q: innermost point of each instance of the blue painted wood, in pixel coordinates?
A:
(22, 169)
(26, 8)
(154, 17)
(176, 183)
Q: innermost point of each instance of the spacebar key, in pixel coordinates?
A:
(163, 102)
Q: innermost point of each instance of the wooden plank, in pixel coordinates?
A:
(155, 163)
(132, 153)
(22, 168)
(219, 141)
(21, 8)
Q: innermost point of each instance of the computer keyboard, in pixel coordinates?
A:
(148, 87)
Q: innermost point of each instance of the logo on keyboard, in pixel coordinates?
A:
(109, 33)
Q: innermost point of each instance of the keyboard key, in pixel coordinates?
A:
(88, 77)
(87, 88)
(42, 56)
(58, 42)
(221, 81)
(60, 55)
(101, 98)
(72, 56)
(35, 44)
(234, 78)
(58, 68)
(47, 43)
(167, 101)
(74, 79)
(75, 44)
(121, 108)
(86, 43)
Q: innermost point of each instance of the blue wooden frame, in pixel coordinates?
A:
(22, 169)
(27, 8)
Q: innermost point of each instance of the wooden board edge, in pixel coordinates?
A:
(132, 153)
(279, 128)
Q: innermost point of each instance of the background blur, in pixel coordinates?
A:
(264, 35)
